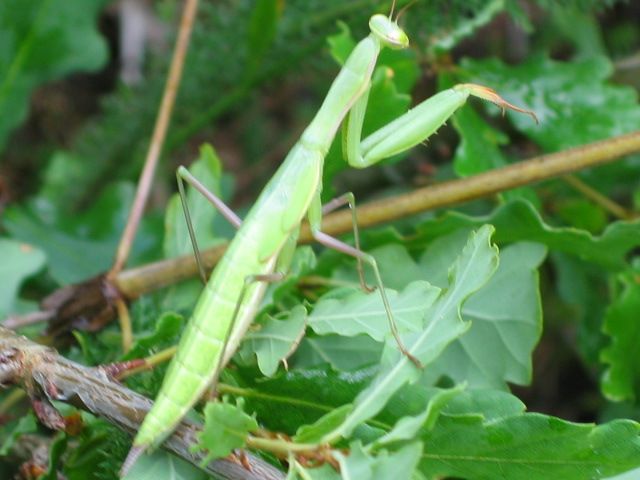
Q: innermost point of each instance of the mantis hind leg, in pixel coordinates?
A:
(183, 175)
(331, 242)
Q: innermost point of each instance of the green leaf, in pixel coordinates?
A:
(342, 353)
(482, 434)
(630, 475)
(506, 318)
(518, 220)
(581, 27)
(97, 452)
(325, 472)
(413, 399)
(313, 433)
(26, 424)
(62, 235)
(42, 40)
(582, 213)
(226, 428)
(622, 377)
(163, 466)
(275, 340)
(571, 112)
(167, 330)
(399, 464)
(19, 261)
(362, 313)
(262, 30)
(341, 44)
(467, 26)
(528, 446)
(300, 397)
(57, 450)
(407, 427)
(363, 466)
(443, 324)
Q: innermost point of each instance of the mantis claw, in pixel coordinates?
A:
(492, 96)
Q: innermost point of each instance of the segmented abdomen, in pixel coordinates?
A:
(202, 342)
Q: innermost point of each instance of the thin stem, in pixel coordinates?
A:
(11, 399)
(159, 134)
(42, 369)
(596, 197)
(150, 362)
(135, 282)
(125, 324)
(138, 281)
(224, 388)
(279, 446)
(16, 321)
(485, 184)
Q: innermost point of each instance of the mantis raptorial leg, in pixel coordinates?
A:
(273, 222)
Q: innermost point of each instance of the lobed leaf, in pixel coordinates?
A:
(529, 446)
(361, 465)
(226, 428)
(621, 379)
(275, 340)
(571, 112)
(518, 220)
(163, 466)
(443, 324)
(19, 261)
(505, 316)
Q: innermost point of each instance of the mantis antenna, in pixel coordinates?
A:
(404, 9)
(393, 7)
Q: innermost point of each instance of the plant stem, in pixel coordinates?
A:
(159, 134)
(39, 369)
(485, 184)
(279, 446)
(596, 197)
(138, 281)
(151, 361)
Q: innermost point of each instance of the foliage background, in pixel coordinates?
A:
(73, 138)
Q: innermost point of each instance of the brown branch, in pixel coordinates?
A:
(159, 134)
(48, 376)
(485, 184)
(137, 281)
(88, 306)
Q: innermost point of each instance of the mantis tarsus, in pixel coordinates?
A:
(268, 234)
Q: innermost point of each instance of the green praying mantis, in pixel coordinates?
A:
(267, 237)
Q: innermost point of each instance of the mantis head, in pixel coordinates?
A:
(388, 32)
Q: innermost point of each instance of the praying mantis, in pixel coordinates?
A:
(267, 237)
